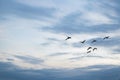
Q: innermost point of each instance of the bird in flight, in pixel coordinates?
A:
(89, 48)
(94, 49)
(93, 41)
(68, 38)
(88, 51)
(106, 37)
(83, 41)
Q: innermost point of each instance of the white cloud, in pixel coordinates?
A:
(93, 12)
(93, 18)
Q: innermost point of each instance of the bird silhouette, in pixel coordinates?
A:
(68, 38)
(89, 48)
(83, 41)
(106, 37)
(94, 49)
(88, 51)
(93, 41)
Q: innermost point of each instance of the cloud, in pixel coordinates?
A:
(37, 3)
(69, 26)
(112, 41)
(116, 50)
(91, 17)
(53, 39)
(10, 59)
(30, 59)
(14, 8)
(102, 72)
(85, 56)
(58, 54)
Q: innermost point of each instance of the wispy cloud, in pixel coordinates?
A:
(58, 54)
(29, 59)
(13, 8)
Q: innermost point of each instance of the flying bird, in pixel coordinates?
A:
(107, 37)
(89, 48)
(83, 41)
(93, 41)
(88, 51)
(68, 38)
(94, 49)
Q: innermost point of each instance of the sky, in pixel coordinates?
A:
(33, 45)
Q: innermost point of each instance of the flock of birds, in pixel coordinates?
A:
(89, 49)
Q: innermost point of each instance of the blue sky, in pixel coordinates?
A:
(33, 45)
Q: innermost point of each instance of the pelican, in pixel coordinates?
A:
(89, 52)
(89, 48)
(93, 41)
(94, 49)
(68, 38)
(106, 37)
(83, 41)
